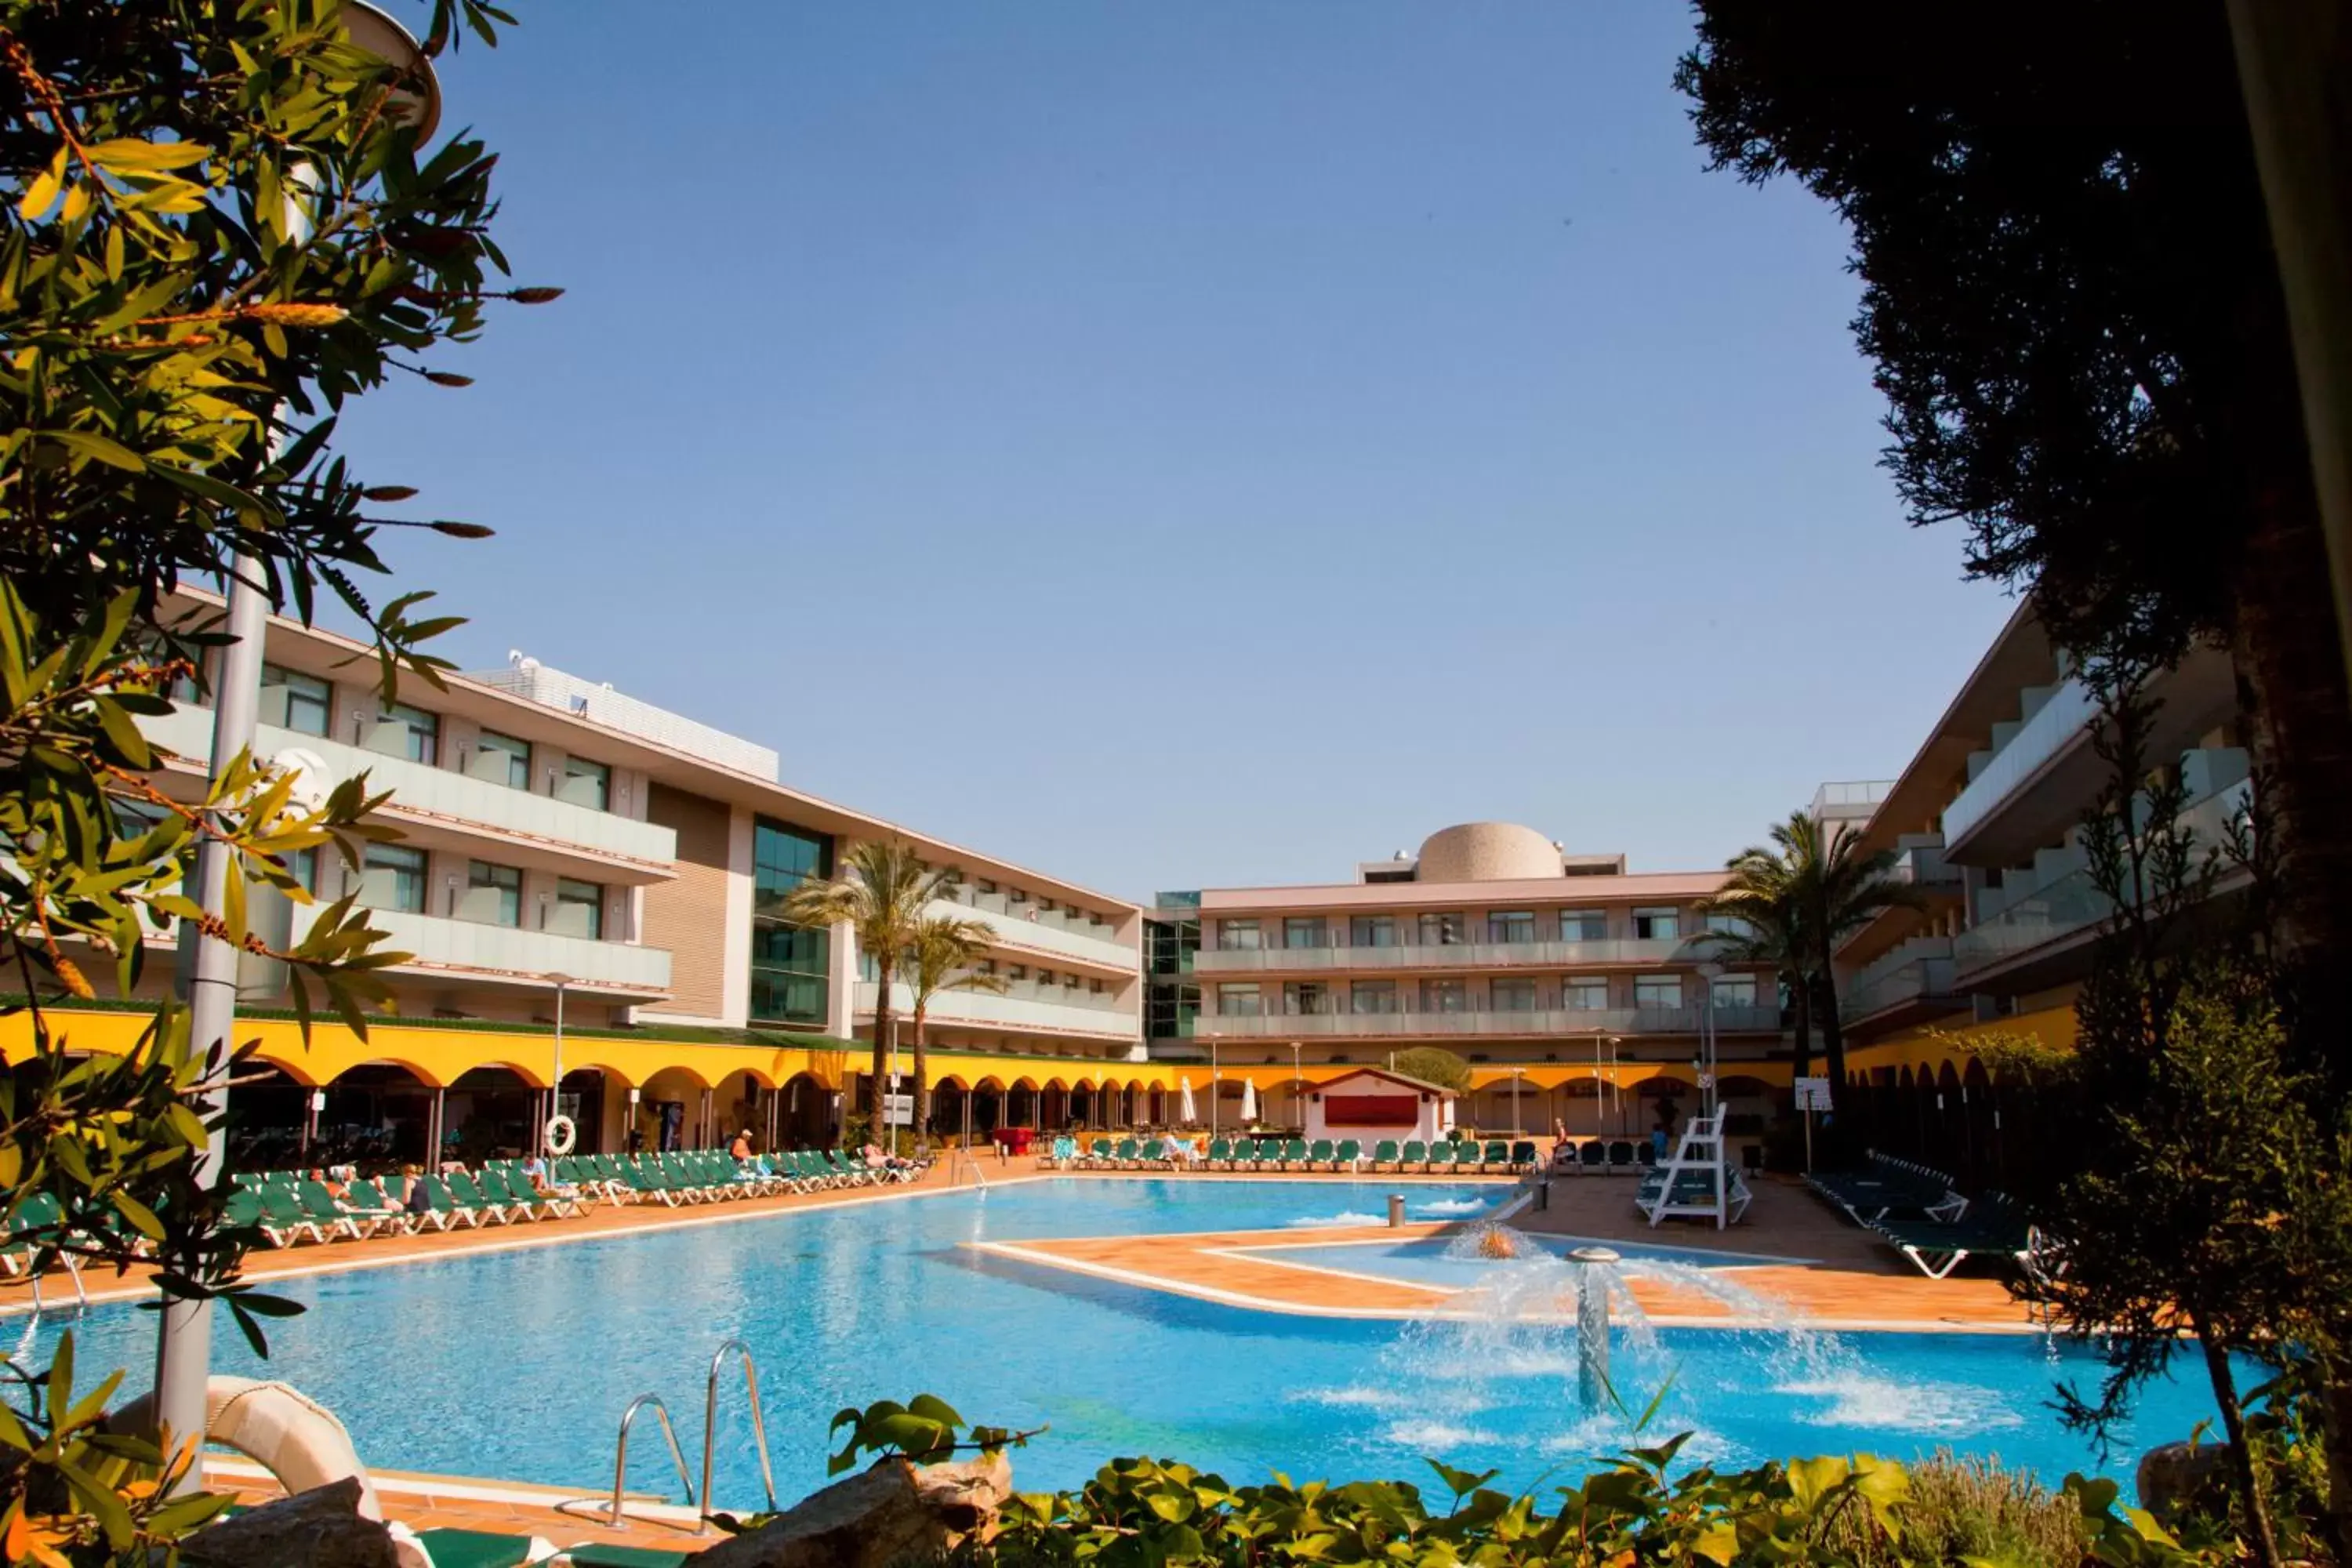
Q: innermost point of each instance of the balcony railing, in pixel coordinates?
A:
(1025, 1006)
(1553, 1021)
(1926, 979)
(1445, 955)
(614, 967)
(2071, 903)
(1055, 932)
(1923, 865)
(440, 793)
(2056, 726)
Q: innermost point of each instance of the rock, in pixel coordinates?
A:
(2177, 1473)
(322, 1528)
(894, 1513)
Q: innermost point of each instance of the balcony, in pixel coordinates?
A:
(440, 796)
(1923, 865)
(1026, 926)
(2058, 727)
(1027, 1005)
(1555, 1021)
(2070, 905)
(617, 971)
(1919, 973)
(1622, 951)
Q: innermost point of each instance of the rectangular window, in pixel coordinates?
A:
(1657, 991)
(1237, 936)
(1657, 925)
(1239, 1002)
(1583, 925)
(790, 964)
(1372, 931)
(1442, 930)
(1373, 996)
(1304, 931)
(393, 877)
(1095, 987)
(1735, 991)
(1511, 996)
(293, 701)
(1730, 925)
(1442, 996)
(1309, 998)
(304, 865)
(1017, 972)
(1584, 994)
(501, 760)
(1511, 926)
(579, 910)
(586, 784)
(1044, 977)
(400, 730)
(493, 895)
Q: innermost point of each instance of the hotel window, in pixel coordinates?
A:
(1095, 987)
(1239, 1002)
(1583, 925)
(1069, 982)
(1307, 998)
(1442, 930)
(1511, 996)
(404, 732)
(791, 965)
(1044, 977)
(293, 701)
(1237, 936)
(985, 967)
(986, 885)
(303, 865)
(1657, 991)
(493, 895)
(1584, 994)
(1373, 996)
(501, 760)
(1735, 991)
(579, 910)
(1372, 931)
(1304, 931)
(1017, 972)
(1511, 926)
(1016, 896)
(1442, 996)
(393, 877)
(1730, 925)
(586, 784)
(1657, 925)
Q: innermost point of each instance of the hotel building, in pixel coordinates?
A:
(1576, 989)
(1985, 824)
(552, 829)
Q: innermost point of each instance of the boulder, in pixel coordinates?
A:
(893, 1513)
(322, 1528)
(2177, 1473)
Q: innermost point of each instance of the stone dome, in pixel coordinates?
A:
(1486, 852)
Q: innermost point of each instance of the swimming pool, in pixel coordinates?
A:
(517, 1364)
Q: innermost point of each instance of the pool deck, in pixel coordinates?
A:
(1821, 1270)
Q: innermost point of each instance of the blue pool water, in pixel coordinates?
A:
(518, 1364)
(1427, 1262)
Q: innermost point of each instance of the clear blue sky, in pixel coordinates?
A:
(1182, 444)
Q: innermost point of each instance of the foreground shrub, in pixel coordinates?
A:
(1961, 1507)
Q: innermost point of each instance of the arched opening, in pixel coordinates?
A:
(269, 1120)
(490, 1112)
(1021, 1104)
(950, 1100)
(673, 1111)
(1660, 1102)
(1157, 1114)
(375, 1113)
(987, 1107)
(1054, 1107)
(803, 1113)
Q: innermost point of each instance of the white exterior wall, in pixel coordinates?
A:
(1436, 1121)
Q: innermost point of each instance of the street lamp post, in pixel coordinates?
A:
(555, 1084)
(1298, 1084)
(183, 1337)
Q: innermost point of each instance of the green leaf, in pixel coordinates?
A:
(97, 448)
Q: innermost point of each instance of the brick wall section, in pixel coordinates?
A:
(688, 916)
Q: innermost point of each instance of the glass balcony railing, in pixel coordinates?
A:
(1024, 1005)
(2056, 725)
(2071, 903)
(1443, 955)
(496, 950)
(1926, 979)
(1551, 1021)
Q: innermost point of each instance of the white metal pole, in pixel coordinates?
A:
(555, 1089)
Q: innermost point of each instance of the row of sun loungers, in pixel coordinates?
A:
(1919, 1211)
(286, 1207)
(1290, 1154)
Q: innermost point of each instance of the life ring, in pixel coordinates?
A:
(561, 1135)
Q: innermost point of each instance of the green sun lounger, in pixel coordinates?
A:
(1220, 1152)
(475, 1548)
(1293, 1153)
(1415, 1153)
(1350, 1153)
(596, 1554)
(1384, 1153)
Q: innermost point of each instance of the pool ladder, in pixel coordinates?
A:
(709, 1437)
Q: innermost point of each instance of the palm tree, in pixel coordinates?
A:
(1771, 937)
(1818, 890)
(941, 958)
(882, 893)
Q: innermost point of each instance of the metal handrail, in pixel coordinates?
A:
(621, 1454)
(711, 1428)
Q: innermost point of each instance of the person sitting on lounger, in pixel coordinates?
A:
(544, 1182)
(741, 1150)
(413, 1198)
(335, 1189)
(875, 1160)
